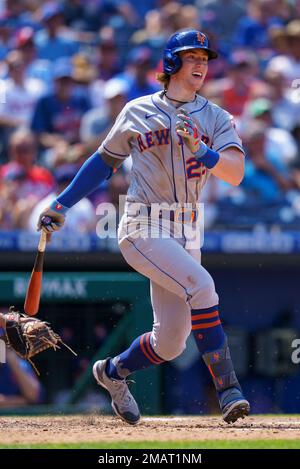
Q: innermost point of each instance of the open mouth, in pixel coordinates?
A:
(197, 74)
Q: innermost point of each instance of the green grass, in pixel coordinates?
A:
(209, 444)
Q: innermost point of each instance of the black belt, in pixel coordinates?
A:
(179, 215)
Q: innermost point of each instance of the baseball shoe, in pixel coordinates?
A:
(122, 401)
(233, 405)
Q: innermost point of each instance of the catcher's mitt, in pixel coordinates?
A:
(28, 336)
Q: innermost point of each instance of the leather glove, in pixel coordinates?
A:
(29, 336)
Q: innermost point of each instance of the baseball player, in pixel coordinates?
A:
(176, 139)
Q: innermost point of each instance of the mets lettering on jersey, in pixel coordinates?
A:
(160, 137)
(163, 168)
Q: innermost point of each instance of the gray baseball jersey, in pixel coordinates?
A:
(163, 167)
(165, 171)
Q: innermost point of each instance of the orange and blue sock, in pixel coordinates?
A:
(212, 344)
(138, 356)
(207, 329)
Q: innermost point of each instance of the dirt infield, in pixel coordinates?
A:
(88, 428)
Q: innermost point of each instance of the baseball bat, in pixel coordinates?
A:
(33, 294)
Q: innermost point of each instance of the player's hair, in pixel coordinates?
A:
(164, 79)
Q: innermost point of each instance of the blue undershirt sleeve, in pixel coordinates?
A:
(89, 177)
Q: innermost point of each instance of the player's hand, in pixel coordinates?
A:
(50, 220)
(187, 129)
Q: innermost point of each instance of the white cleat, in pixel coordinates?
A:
(122, 401)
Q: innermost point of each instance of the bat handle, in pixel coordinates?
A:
(42, 241)
(45, 237)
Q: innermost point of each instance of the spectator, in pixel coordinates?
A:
(84, 75)
(83, 218)
(16, 14)
(34, 67)
(75, 14)
(252, 30)
(241, 80)
(189, 17)
(19, 385)
(96, 123)
(95, 86)
(171, 17)
(289, 63)
(84, 71)
(51, 43)
(278, 38)
(214, 19)
(279, 142)
(57, 115)
(152, 35)
(285, 106)
(22, 182)
(5, 33)
(266, 178)
(21, 94)
(137, 74)
(108, 56)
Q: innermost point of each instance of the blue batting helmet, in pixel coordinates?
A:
(184, 40)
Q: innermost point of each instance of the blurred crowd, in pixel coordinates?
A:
(67, 69)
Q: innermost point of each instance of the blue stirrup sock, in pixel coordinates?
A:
(207, 329)
(213, 346)
(89, 177)
(138, 356)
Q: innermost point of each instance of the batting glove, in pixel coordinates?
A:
(52, 218)
(187, 129)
